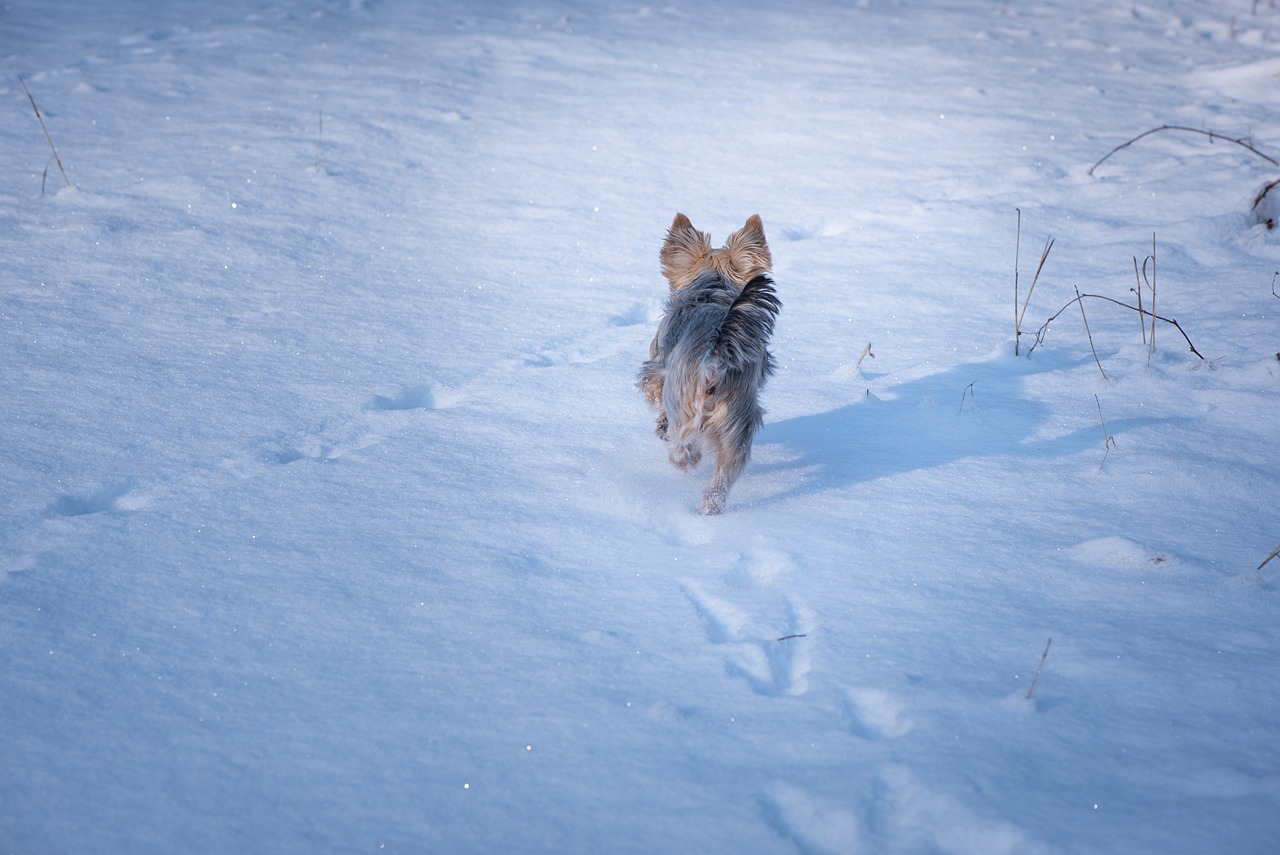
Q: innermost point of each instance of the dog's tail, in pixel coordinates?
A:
(742, 343)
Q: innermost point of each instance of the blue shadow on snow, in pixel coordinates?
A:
(924, 425)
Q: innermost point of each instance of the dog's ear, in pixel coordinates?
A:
(748, 252)
(685, 252)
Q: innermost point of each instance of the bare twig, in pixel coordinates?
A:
(1151, 345)
(40, 118)
(1273, 554)
(1269, 222)
(1039, 668)
(969, 391)
(1108, 441)
(1080, 303)
(1273, 285)
(1210, 134)
(1017, 330)
(1017, 253)
(1142, 320)
(1045, 327)
(789, 637)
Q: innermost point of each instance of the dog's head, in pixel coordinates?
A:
(687, 252)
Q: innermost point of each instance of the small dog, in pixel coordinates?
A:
(710, 357)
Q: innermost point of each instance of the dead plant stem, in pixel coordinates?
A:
(1210, 134)
(1039, 668)
(49, 138)
(1080, 303)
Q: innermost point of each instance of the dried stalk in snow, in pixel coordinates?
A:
(54, 148)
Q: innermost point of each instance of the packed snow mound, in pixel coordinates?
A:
(1117, 552)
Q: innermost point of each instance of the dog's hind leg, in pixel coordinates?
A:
(729, 465)
(714, 498)
(650, 383)
(733, 450)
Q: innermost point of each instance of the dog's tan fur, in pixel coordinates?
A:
(687, 253)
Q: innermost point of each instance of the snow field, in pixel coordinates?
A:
(331, 520)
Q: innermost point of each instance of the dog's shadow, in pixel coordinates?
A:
(971, 411)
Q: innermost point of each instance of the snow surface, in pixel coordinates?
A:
(330, 518)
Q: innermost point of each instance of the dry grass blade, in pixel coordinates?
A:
(1017, 254)
(1273, 554)
(1017, 327)
(1151, 345)
(1039, 668)
(1142, 319)
(52, 147)
(1109, 441)
(1080, 303)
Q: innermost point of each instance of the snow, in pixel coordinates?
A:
(331, 520)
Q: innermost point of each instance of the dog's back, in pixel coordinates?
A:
(713, 347)
(688, 338)
(713, 342)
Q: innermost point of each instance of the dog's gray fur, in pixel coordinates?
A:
(708, 362)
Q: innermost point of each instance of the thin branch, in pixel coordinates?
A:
(1039, 668)
(1108, 441)
(1273, 554)
(1045, 327)
(1269, 222)
(1080, 303)
(970, 392)
(1044, 254)
(1151, 349)
(1017, 253)
(1210, 134)
(1142, 320)
(40, 118)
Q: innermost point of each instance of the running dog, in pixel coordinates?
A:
(710, 358)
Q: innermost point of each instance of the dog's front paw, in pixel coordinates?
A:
(713, 501)
(661, 428)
